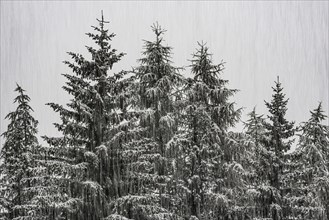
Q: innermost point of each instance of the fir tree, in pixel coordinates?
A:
(17, 158)
(86, 127)
(201, 146)
(277, 143)
(259, 188)
(156, 80)
(309, 177)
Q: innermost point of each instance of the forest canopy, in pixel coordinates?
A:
(148, 143)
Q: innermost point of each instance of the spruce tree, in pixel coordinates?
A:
(277, 143)
(201, 145)
(17, 158)
(259, 189)
(85, 125)
(309, 178)
(149, 195)
(157, 82)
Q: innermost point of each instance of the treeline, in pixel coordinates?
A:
(151, 144)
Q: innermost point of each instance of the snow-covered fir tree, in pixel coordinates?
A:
(158, 82)
(87, 162)
(17, 160)
(258, 189)
(150, 194)
(309, 176)
(277, 143)
(202, 148)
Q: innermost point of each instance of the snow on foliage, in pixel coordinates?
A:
(150, 144)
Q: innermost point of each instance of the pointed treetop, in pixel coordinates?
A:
(278, 87)
(253, 112)
(317, 114)
(278, 97)
(203, 67)
(19, 89)
(102, 15)
(157, 29)
(22, 97)
(253, 116)
(102, 21)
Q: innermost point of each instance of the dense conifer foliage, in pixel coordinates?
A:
(277, 143)
(309, 175)
(151, 144)
(17, 155)
(82, 152)
(202, 147)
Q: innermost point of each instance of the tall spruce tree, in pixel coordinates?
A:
(17, 158)
(277, 143)
(309, 176)
(156, 80)
(86, 122)
(201, 145)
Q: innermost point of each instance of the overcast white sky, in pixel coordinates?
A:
(258, 41)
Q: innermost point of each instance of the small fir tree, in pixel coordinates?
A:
(17, 158)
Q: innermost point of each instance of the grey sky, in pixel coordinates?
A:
(257, 40)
